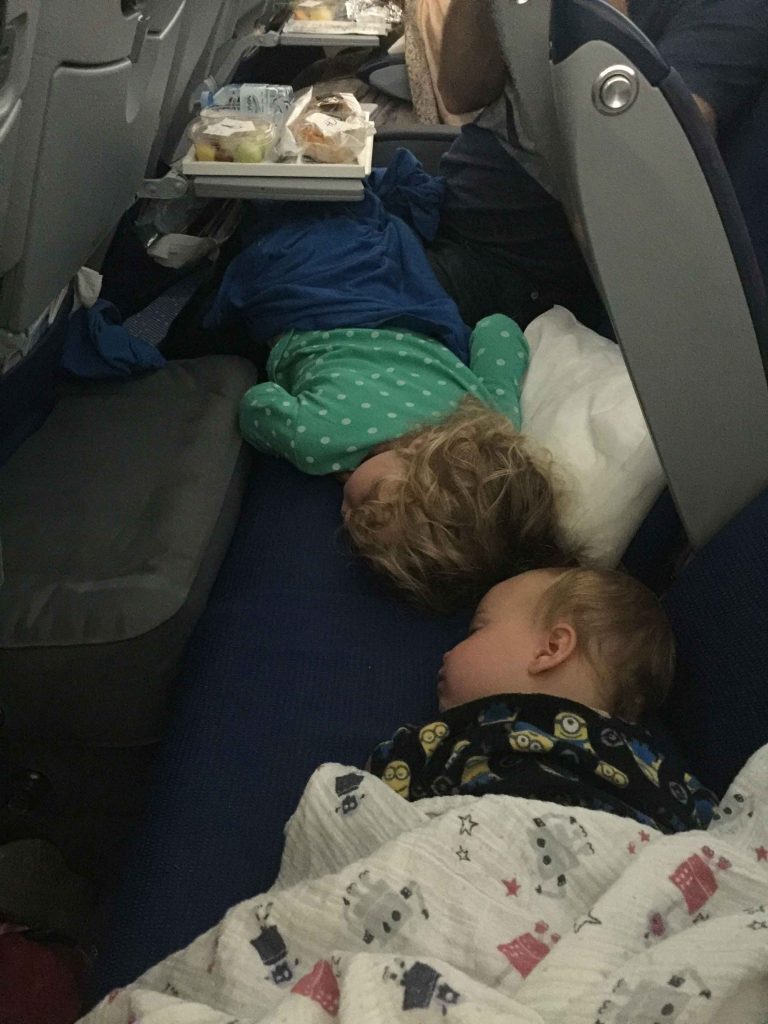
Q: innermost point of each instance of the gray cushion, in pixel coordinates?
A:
(115, 516)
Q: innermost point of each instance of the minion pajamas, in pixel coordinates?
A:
(545, 748)
(335, 395)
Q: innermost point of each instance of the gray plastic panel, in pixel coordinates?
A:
(659, 251)
(161, 13)
(98, 129)
(15, 63)
(97, 31)
(329, 40)
(9, 140)
(86, 31)
(297, 190)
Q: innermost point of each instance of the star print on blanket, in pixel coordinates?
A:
(554, 914)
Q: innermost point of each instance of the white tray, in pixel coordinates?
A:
(339, 29)
(328, 40)
(214, 169)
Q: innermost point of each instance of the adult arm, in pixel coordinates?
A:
(428, 21)
(472, 71)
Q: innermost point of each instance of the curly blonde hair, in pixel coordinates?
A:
(475, 504)
(623, 633)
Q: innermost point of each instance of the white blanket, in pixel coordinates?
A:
(492, 909)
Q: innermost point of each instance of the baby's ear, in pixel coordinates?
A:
(557, 644)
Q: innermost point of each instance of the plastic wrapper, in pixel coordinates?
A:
(232, 137)
(386, 10)
(271, 101)
(330, 129)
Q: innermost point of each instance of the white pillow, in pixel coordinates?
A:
(578, 401)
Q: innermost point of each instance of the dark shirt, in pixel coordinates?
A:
(719, 47)
(545, 748)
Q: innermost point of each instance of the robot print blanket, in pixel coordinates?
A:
(483, 910)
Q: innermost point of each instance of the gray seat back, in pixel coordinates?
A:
(214, 35)
(646, 189)
(97, 79)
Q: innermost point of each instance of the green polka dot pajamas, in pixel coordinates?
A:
(335, 395)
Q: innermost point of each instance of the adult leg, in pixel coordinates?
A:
(481, 282)
(504, 244)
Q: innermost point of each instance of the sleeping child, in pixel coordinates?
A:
(443, 494)
(542, 701)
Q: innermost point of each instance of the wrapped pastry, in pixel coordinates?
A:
(331, 129)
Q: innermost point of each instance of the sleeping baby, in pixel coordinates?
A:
(542, 701)
(442, 494)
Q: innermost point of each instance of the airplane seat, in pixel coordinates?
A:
(115, 515)
(117, 499)
(547, 101)
(90, 115)
(669, 249)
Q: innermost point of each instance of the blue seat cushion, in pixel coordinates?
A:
(658, 546)
(718, 711)
(302, 656)
(744, 146)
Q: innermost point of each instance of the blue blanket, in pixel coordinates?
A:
(318, 267)
(98, 347)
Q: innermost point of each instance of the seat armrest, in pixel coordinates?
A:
(389, 75)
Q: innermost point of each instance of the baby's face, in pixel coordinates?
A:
(361, 482)
(503, 641)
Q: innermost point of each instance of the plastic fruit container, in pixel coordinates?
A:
(230, 137)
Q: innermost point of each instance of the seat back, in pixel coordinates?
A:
(645, 186)
(97, 80)
(214, 36)
(18, 24)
